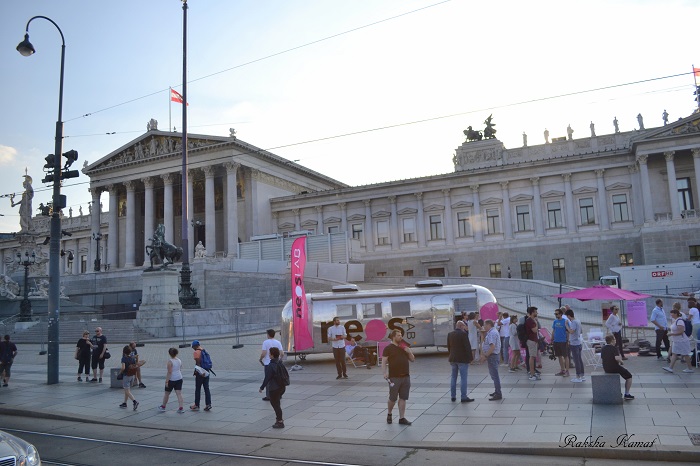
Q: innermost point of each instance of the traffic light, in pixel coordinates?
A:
(71, 156)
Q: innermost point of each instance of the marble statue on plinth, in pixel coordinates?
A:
(25, 205)
(200, 251)
(162, 251)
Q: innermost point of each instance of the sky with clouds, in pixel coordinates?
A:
(407, 75)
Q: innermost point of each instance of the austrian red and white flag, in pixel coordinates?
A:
(301, 318)
(176, 96)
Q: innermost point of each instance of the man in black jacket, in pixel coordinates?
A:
(460, 357)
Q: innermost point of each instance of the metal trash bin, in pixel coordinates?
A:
(113, 382)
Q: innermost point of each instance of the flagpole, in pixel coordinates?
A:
(695, 77)
(170, 109)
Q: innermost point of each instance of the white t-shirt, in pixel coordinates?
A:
(504, 331)
(333, 332)
(694, 315)
(267, 344)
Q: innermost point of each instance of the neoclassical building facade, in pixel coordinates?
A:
(564, 211)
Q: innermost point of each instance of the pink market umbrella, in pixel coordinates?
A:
(603, 292)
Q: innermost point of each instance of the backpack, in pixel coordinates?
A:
(205, 360)
(522, 333)
(688, 326)
(281, 375)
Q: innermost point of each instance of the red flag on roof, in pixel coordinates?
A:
(176, 96)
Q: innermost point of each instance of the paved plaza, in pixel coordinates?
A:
(544, 415)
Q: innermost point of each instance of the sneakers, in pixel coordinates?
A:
(688, 371)
(466, 400)
(496, 398)
(207, 408)
(583, 378)
(278, 425)
(345, 376)
(93, 380)
(576, 380)
(511, 370)
(161, 409)
(339, 377)
(100, 379)
(266, 399)
(136, 405)
(405, 422)
(566, 373)
(180, 410)
(668, 369)
(388, 418)
(141, 385)
(194, 408)
(80, 379)
(453, 399)
(123, 405)
(533, 378)
(628, 397)
(560, 373)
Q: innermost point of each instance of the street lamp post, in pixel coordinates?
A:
(26, 49)
(97, 237)
(25, 307)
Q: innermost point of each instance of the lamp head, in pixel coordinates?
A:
(25, 47)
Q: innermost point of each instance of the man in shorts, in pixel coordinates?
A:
(559, 339)
(8, 351)
(397, 356)
(99, 347)
(612, 364)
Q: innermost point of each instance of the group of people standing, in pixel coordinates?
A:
(683, 328)
(91, 353)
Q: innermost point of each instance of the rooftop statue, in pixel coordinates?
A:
(524, 139)
(161, 250)
(592, 129)
(473, 135)
(546, 136)
(490, 130)
(25, 205)
(640, 120)
(665, 117)
(569, 133)
(615, 124)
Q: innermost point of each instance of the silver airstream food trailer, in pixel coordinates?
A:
(425, 313)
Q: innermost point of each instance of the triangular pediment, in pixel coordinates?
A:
(585, 190)
(331, 220)
(521, 197)
(462, 205)
(355, 217)
(618, 186)
(687, 125)
(309, 223)
(491, 200)
(434, 208)
(286, 226)
(407, 211)
(552, 193)
(381, 214)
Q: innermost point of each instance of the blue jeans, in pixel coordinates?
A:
(578, 362)
(493, 362)
(505, 345)
(463, 369)
(198, 384)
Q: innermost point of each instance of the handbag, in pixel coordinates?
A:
(107, 355)
(120, 376)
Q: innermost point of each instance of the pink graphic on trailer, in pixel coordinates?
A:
(489, 311)
(375, 330)
(300, 308)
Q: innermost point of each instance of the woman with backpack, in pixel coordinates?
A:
(679, 340)
(276, 379)
(201, 377)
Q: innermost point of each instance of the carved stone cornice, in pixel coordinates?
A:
(272, 180)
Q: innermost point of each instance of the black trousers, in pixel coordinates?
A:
(276, 402)
(662, 335)
(339, 355)
(618, 342)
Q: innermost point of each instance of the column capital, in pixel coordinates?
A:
(130, 185)
(95, 191)
(368, 202)
(191, 172)
(696, 153)
(168, 178)
(209, 171)
(599, 172)
(566, 176)
(475, 188)
(232, 167)
(295, 211)
(319, 208)
(342, 205)
(632, 169)
(149, 181)
(419, 196)
(275, 214)
(392, 199)
(504, 184)
(446, 191)
(112, 189)
(535, 180)
(669, 155)
(642, 159)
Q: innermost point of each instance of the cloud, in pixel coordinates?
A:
(7, 154)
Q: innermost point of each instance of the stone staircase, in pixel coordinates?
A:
(118, 332)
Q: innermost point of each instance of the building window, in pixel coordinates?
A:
(694, 252)
(358, 232)
(587, 212)
(436, 227)
(333, 229)
(685, 195)
(495, 270)
(347, 311)
(554, 214)
(383, 232)
(83, 264)
(408, 273)
(522, 213)
(409, 229)
(492, 221)
(401, 309)
(463, 225)
(559, 270)
(620, 210)
(626, 259)
(371, 310)
(465, 271)
(381, 274)
(592, 272)
(526, 269)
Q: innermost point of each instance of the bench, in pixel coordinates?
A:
(113, 382)
(606, 389)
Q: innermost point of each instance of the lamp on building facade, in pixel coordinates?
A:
(97, 237)
(25, 307)
(26, 49)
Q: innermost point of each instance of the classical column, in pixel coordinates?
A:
(420, 221)
(569, 199)
(113, 227)
(94, 224)
(394, 223)
(190, 210)
(148, 214)
(477, 224)
(75, 266)
(130, 241)
(602, 200)
(635, 208)
(369, 234)
(507, 214)
(343, 217)
(297, 219)
(209, 210)
(319, 220)
(696, 165)
(232, 208)
(537, 219)
(168, 208)
(449, 226)
(646, 188)
(672, 188)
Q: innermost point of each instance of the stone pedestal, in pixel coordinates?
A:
(159, 302)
